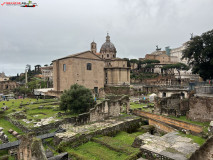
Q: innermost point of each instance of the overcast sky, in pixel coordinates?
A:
(55, 29)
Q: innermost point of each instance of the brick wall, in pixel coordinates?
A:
(176, 123)
(161, 126)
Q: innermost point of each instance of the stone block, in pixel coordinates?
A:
(15, 133)
(18, 137)
(1, 129)
(1, 134)
(10, 131)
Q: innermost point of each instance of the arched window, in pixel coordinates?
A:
(89, 66)
(113, 56)
(107, 55)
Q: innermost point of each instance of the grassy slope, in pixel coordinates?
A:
(121, 142)
(95, 151)
(7, 125)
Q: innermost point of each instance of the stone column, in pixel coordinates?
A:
(127, 107)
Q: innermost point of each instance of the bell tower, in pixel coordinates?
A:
(93, 47)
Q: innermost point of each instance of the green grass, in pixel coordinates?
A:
(196, 139)
(48, 144)
(95, 151)
(33, 109)
(127, 138)
(106, 148)
(7, 125)
(16, 102)
(116, 144)
(136, 106)
(3, 152)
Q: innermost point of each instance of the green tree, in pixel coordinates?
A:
(178, 66)
(36, 83)
(77, 99)
(22, 90)
(149, 61)
(199, 52)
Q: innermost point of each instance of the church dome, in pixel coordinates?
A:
(108, 46)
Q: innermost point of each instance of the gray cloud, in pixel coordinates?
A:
(58, 28)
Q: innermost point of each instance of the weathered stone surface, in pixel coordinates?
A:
(18, 115)
(201, 109)
(137, 142)
(18, 137)
(170, 145)
(3, 137)
(45, 121)
(31, 148)
(49, 153)
(1, 133)
(204, 152)
(15, 133)
(10, 131)
(210, 129)
(62, 156)
(5, 108)
(86, 132)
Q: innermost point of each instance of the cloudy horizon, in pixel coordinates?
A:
(55, 29)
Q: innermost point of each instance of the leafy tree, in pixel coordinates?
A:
(199, 52)
(178, 66)
(77, 99)
(22, 90)
(133, 61)
(149, 61)
(36, 83)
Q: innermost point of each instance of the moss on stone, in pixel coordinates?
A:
(37, 149)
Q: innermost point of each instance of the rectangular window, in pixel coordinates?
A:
(64, 67)
(89, 66)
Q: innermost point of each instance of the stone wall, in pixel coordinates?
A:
(201, 109)
(8, 85)
(173, 105)
(119, 90)
(169, 121)
(107, 108)
(73, 69)
(30, 149)
(108, 131)
(204, 152)
(153, 155)
(103, 110)
(45, 128)
(204, 90)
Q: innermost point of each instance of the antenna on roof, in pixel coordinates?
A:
(191, 36)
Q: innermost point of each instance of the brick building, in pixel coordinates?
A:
(91, 69)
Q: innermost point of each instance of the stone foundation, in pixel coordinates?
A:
(201, 109)
(75, 136)
(194, 129)
(204, 152)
